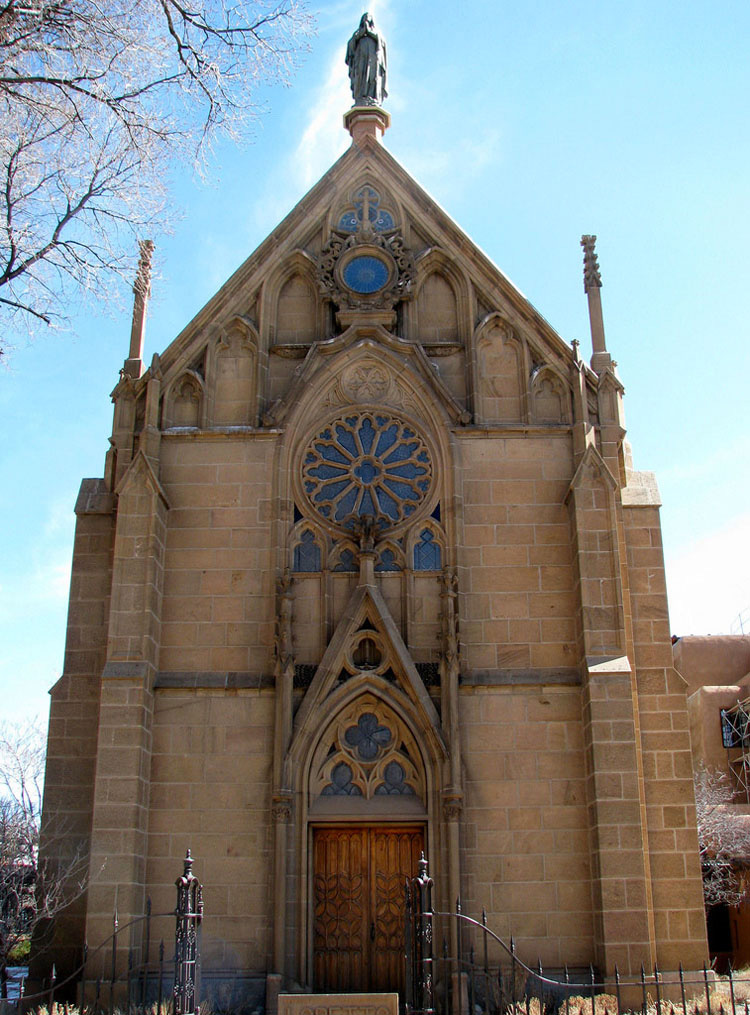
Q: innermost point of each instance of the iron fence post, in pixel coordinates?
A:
(188, 914)
(146, 950)
(424, 887)
(160, 994)
(708, 993)
(408, 981)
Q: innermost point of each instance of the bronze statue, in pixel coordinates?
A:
(367, 63)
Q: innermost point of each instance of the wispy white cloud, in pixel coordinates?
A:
(435, 167)
(324, 138)
(708, 579)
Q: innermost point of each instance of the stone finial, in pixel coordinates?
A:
(142, 284)
(592, 284)
(141, 290)
(591, 275)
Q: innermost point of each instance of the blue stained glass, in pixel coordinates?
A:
(407, 471)
(366, 435)
(401, 489)
(348, 222)
(368, 736)
(346, 440)
(388, 505)
(346, 561)
(386, 440)
(367, 472)
(383, 221)
(326, 471)
(334, 454)
(427, 553)
(306, 553)
(387, 561)
(401, 453)
(346, 504)
(394, 783)
(367, 506)
(366, 274)
(374, 464)
(380, 219)
(341, 782)
(331, 490)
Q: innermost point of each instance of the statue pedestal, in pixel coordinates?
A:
(366, 121)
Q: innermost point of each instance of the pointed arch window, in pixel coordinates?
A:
(307, 556)
(388, 561)
(428, 554)
(346, 562)
(368, 753)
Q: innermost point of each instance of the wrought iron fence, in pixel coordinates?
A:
(482, 975)
(170, 984)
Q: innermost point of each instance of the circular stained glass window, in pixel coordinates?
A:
(365, 274)
(364, 464)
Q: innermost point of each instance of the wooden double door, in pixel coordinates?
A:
(358, 888)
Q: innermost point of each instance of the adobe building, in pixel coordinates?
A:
(716, 669)
(370, 572)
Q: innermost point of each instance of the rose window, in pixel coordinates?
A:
(367, 464)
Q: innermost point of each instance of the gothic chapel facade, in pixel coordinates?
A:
(369, 573)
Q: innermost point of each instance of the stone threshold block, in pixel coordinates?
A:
(338, 1004)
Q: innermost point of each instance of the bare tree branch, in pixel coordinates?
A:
(98, 98)
(32, 890)
(723, 838)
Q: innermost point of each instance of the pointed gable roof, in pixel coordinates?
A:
(308, 217)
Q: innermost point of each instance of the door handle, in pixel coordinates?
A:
(372, 931)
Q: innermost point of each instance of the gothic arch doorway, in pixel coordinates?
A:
(358, 899)
(367, 828)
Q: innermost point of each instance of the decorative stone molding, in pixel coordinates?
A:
(281, 808)
(283, 647)
(452, 806)
(365, 271)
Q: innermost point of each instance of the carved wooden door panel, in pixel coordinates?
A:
(358, 931)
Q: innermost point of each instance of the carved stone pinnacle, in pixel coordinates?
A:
(591, 277)
(142, 284)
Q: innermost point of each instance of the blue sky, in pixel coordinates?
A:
(530, 124)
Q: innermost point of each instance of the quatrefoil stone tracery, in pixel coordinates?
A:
(367, 463)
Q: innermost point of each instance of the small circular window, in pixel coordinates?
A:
(365, 274)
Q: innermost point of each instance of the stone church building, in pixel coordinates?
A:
(370, 573)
